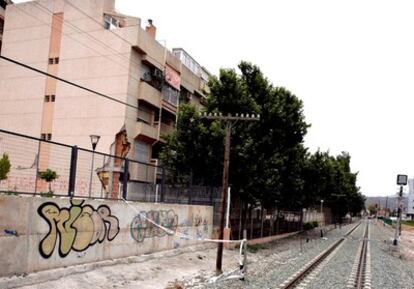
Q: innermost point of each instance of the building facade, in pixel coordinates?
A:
(92, 45)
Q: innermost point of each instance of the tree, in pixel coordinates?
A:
(330, 179)
(4, 166)
(372, 208)
(269, 162)
(49, 176)
(266, 156)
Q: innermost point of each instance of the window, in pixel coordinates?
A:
(52, 98)
(142, 151)
(110, 22)
(54, 60)
(144, 114)
(46, 136)
(47, 98)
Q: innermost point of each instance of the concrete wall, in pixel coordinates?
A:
(39, 233)
(313, 215)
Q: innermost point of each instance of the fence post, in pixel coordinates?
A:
(162, 185)
(125, 179)
(72, 172)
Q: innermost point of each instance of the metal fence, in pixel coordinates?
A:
(85, 173)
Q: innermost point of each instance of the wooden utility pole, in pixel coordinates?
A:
(229, 120)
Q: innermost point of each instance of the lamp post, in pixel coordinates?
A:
(94, 142)
(321, 211)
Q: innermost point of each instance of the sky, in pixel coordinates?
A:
(351, 62)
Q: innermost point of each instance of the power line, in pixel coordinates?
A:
(81, 32)
(67, 81)
(119, 36)
(103, 44)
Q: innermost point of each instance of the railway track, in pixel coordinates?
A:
(360, 277)
(295, 281)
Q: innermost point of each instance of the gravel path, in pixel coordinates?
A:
(388, 267)
(277, 266)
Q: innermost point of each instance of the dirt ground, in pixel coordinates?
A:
(159, 270)
(189, 267)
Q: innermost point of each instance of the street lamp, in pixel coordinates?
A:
(321, 211)
(94, 142)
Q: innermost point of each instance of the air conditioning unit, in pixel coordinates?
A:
(146, 76)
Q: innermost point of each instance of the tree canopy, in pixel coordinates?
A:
(269, 161)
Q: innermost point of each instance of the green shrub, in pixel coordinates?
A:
(47, 194)
(49, 176)
(308, 226)
(315, 224)
(4, 166)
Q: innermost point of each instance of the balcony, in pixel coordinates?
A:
(142, 172)
(147, 130)
(165, 129)
(189, 80)
(153, 52)
(149, 94)
(170, 99)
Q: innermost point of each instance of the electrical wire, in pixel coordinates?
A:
(117, 35)
(70, 35)
(67, 81)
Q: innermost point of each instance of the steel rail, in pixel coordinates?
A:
(360, 280)
(312, 266)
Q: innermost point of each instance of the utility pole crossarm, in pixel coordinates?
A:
(229, 117)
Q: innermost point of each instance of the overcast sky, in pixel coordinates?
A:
(351, 62)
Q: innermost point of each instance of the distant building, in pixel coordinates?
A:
(90, 43)
(3, 4)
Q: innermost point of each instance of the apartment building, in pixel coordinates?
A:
(88, 42)
(3, 4)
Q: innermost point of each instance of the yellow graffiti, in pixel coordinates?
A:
(76, 228)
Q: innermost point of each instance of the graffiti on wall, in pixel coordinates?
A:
(141, 228)
(201, 226)
(78, 227)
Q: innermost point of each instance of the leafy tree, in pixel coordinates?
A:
(372, 208)
(4, 166)
(330, 179)
(266, 156)
(268, 162)
(48, 176)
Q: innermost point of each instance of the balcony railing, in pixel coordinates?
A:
(165, 129)
(170, 95)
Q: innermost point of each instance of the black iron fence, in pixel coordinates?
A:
(85, 173)
(88, 174)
